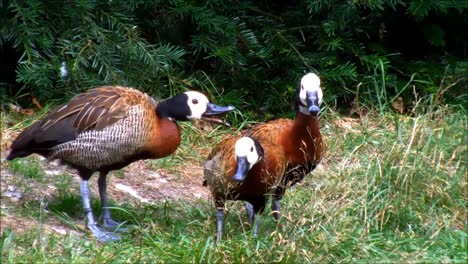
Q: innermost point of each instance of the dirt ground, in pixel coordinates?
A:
(137, 183)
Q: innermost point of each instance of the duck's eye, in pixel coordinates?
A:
(302, 87)
(251, 149)
(194, 101)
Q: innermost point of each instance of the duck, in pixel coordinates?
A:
(242, 168)
(108, 128)
(299, 140)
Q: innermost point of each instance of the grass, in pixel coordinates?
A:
(392, 188)
(28, 167)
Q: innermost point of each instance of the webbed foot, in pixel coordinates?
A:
(111, 224)
(103, 236)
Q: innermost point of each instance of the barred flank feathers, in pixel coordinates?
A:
(105, 123)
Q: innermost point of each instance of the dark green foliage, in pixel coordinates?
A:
(98, 42)
(255, 51)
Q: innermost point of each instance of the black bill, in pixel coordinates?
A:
(242, 169)
(312, 103)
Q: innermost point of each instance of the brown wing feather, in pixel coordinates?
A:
(270, 131)
(226, 147)
(265, 133)
(95, 109)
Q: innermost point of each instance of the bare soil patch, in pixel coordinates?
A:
(137, 183)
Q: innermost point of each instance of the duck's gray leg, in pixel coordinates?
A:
(101, 235)
(276, 208)
(250, 212)
(219, 222)
(107, 221)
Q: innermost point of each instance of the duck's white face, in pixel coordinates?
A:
(201, 108)
(310, 83)
(198, 104)
(245, 147)
(191, 105)
(310, 93)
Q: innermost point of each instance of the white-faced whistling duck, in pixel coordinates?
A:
(241, 168)
(299, 139)
(106, 129)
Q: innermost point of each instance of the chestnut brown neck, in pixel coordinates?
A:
(165, 139)
(303, 141)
